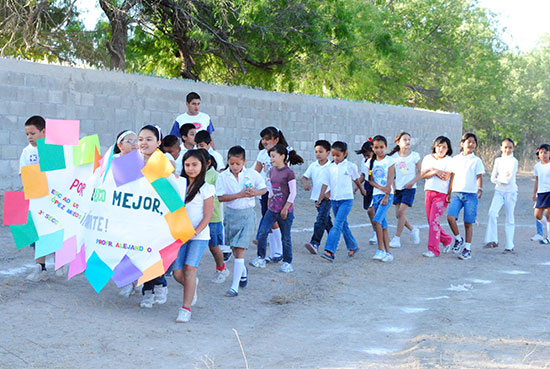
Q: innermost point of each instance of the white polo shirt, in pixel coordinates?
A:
(314, 172)
(227, 184)
(340, 177)
(29, 156)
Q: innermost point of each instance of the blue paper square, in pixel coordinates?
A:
(49, 243)
(97, 272)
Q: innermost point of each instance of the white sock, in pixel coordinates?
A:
(467, 245)
(238, 270)
(547, 226)
(398, 238)
(458, 237)
(276, 244)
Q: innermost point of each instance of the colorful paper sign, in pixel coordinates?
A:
(125, 272)
(168, 194)
(180, 225)
(16, 208)
(25, 234)
(78, 265)
(127, 168)
(157, 166)
(52, 157)
(84, 153)
(62, 132)
(48, 243)
(67, 253)
(35, 183)
(170, 253)
(97, 272)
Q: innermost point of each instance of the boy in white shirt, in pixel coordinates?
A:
(201, 121)
(315, 172)
(171, 145)
(204, 141)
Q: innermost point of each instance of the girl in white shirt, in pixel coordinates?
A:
(237, 186)
(199, 203)
(436, 169)
(407, 173)
(541, 192)
(381, 176)
(503, 176)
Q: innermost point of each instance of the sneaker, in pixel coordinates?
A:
(195, 297)
(395, 242)
(447, 248)
(286, 268)
(458, 246)
(465, 255)
(128, 290)
(328, 256)
(509, 251)
(37, 274)
(388, 258)
(312, 248)
(62, 272)
(184, 316)
(259, 262)
(244, 280)
(415, 234)
(161, 295)
(537, 237)
(274, 259)
(220, 275)
(351, 253)
(379, 255)
(545, 241)
(148, 299)
(373, 240)
(227, 256)
(428, 254)
(231, 293)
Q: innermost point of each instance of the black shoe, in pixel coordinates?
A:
(244, 280)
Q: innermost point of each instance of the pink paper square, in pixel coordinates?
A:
(16, 208)
(62, 132)
(67, 253)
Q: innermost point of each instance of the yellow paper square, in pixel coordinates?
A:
(157, 166)
(180, 225)
(35, 183)
(154, 271)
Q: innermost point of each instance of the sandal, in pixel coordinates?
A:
(351, 253)
(327, 255)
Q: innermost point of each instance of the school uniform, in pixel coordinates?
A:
(323, 222)
(466, 168)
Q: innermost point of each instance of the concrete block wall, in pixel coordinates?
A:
(109, 102)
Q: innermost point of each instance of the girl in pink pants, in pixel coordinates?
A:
(437, 172)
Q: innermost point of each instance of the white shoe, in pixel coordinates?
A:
(161, 295)
(220, 276)
(148, 299)
(184, 316)
(373, 240)
(259, 262)
(286, 268)
(415, 234)
(37, 274)
(447, 248)
(429, 254)
(195, 297)
(379, 255)
(128, 290)
(62, 272)
(388, 258)
(395, 242)
(537, 237)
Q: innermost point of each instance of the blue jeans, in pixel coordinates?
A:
(465, 200)
(322, 223)
(284, 224)
(341, 209)
(381, 210)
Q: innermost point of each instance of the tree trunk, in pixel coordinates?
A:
(119, 21)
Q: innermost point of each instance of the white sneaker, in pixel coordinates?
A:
(388, 258)
(184, 316)
(379, 255)
(373, 240)
(128, 290)
(415, 234)
(62, 272)
(395, 242)
(429, 254)
(37, 274)
(148, 299)
(537, 237)
(286, 268)
(195, 297)
(161, 295)
(447, 248)
(259, 262)
(220, 276)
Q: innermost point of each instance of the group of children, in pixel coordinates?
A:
(220, 198)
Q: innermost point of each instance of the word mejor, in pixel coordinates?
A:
(127, 200)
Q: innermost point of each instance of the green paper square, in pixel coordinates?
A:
(51, 157)
(24, 234)
(167, 193)
(84, 152)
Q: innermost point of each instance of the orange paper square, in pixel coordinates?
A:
(154, 271)
(157, 166)
(180, 224)
(35, 183)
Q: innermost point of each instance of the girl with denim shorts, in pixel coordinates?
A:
(468, 173)
(381, 175)
(541, 192)
(407, 173)
(199, 200)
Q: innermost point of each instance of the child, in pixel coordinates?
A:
(204, 141)
(541, 191)
(237, 187)
(126, 142)
(407, 173)
(201, 121)
(199, 202)
(280, 207)
(216, 226)
(339, 177)
(35, 128)
(539, 236)
(436, 169)
(314, 172)
(172, 146)
(467, 188)
(381, 175)
(506, 193)
(187, 132)
(366, 151)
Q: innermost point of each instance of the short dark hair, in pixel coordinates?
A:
(340, 146)
(544, 147)
(192, 96)
(323, 143)
(236, 151)
(203, 136)
(509, 140)
(184, 129)
(171, 141)
(466, 136)
(440, 140)
(37, 121)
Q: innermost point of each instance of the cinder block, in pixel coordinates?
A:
(10, 152)
(87, 99)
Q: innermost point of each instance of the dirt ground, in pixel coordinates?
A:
(492, 311)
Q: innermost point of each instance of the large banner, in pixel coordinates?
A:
(111, 218)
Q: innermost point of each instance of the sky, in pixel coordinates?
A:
(525, 20)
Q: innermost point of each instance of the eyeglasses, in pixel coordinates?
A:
(132, 142)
